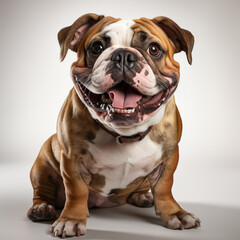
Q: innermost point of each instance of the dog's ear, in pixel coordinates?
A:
(182, 39)
(70, 37)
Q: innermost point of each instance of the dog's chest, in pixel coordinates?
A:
(121, 164)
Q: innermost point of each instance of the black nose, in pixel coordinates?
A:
(123, 57)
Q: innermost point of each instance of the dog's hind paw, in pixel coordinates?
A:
(42, 212)
(141, 200)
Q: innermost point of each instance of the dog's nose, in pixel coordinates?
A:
(123, 57)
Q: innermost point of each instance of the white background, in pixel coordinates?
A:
(34, 85)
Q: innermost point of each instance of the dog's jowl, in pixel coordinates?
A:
(119, 128)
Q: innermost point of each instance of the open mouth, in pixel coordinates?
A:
(123, 100)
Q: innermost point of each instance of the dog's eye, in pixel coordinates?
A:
(97, 48)
(154, 50)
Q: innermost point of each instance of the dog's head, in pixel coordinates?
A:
(125, 72)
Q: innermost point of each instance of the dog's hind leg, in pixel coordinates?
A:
(141, 197)
(143, 200)
(48, 190)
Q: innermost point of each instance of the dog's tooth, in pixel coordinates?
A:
(123, 111)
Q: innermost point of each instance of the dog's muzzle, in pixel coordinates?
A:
(123, 103)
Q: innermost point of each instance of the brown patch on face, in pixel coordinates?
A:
(93, 31)
(146, 30)
(100, 39)
(82, 68)
(69, 37)
(182, 39)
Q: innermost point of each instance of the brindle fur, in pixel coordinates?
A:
(59, 177)
(71, 143)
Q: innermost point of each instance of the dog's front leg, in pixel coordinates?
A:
(72, 221)
(165, 205)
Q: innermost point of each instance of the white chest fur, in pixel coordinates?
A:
(121, 164)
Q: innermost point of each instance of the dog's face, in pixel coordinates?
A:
(125, 72)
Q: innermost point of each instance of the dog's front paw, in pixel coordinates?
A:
(183, 221)
(67, 228)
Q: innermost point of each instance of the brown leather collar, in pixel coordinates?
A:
(126, 139)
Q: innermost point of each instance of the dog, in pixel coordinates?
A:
(119, 128)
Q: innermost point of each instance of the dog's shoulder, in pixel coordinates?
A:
(169, 130)
(75, 125)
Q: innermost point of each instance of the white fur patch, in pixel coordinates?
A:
(121, 164)
(120, 33)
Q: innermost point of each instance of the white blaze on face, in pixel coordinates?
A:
(120, 33)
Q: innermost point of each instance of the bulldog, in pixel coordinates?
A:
(119, 128)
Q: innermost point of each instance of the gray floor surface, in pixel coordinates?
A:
(125, 222)
(120, 223)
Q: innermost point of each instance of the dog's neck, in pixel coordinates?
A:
(126, 139)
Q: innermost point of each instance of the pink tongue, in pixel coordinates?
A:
(124, 97)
